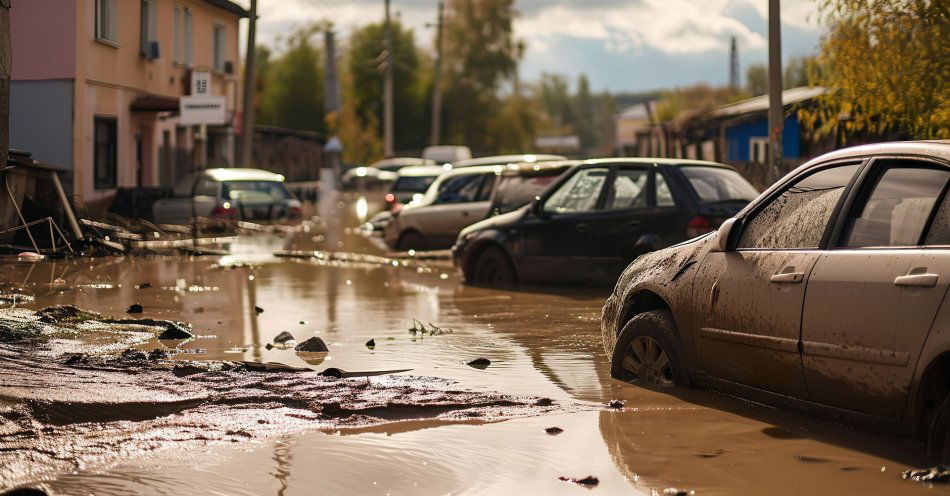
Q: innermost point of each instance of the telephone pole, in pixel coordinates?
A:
(247, 123)
(733, 65)
(436, 88)
(388, 90)
(776, 109)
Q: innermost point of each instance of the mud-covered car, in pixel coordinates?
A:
(828, 292)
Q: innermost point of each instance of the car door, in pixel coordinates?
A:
(558, 234)
(870, 302)
(615, 231)
(457, 205)
(749, 301)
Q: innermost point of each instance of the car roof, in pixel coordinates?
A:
(476, 169)
(924, 148)
(505, 159)
(673, 162)
(402, 161)
(421, 170)
(527, 168)
(241, 174)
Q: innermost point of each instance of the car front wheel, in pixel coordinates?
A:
(410, 240)
(647, 352)
(493, 269)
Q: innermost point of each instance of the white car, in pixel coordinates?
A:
(505, 159)
(228, 195)
(456, 199)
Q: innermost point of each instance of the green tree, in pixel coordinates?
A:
(757, 79)
(796, 72)
(585, 115)
(293, 84)
(412, 79)
(887, 67)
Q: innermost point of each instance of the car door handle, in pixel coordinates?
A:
(923, 280)
(788, 277)
(583, 227)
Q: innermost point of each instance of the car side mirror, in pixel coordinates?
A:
(537, 208)
(723, 234)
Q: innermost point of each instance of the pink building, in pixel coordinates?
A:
(96, 87)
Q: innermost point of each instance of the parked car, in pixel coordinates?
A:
(454, 200)
(411, 184)
(446, 154)
(599, 217)
(381, 171)
(396, 163)
(505, 160)
(828, 292)
(520, 184)
(228, 195)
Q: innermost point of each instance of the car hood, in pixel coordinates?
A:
(497, 221)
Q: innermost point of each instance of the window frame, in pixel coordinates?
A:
(114, 166)
(831, 229)
(107, 34)
(868, 178)
(188, 41)
(148, 25)
(612, 177)
(565, 178)
(215, 26)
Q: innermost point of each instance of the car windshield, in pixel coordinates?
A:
(254, 190)
(513, 192)
(713, 184)
(413, 184)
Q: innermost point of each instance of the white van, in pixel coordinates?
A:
(446, 154)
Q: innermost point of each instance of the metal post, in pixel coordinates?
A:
(247, 124)
(436, 84)
(776, 110)
(388, 89)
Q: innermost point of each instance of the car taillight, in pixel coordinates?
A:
(698, 226)
(396, 208)
(390, 198)
(295, 211)
(224, 210)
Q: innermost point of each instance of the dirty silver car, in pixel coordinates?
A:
(828, 293)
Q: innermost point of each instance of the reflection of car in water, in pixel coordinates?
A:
(597, 218)
(226, 195)
(829, 291)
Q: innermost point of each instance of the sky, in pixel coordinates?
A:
(621, 45)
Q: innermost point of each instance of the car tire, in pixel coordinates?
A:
(649, 353)
(493, 269)
(410, 240)
(938, 438)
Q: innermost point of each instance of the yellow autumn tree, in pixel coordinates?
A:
(886, 64)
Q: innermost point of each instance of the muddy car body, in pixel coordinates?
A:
(867, 231)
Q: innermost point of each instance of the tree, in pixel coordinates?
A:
(887, 69)
(412, 78)
(585, 114)
(358, 133)
(293, 87)
(757, 79)
(796, 72)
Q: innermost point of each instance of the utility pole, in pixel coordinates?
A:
(388, 89)
(733, 65)
(776, 109)
(331, 88)
(436, 88)
(247, 124)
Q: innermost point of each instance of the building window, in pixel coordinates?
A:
(218, 47)
(106, 21)
(189, 38)
(149, 26)
(177, 34)
(759, 150)
(104, 155)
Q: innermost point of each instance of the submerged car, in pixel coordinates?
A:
(828, 292)
(228, 194)
(597, 218)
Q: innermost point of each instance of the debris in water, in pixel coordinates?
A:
(144, 285)
(268, 346)
(588, 482)
(312, 345)
(283, 337)
(175, 332)
(58, 282)
(433, 330)
(258, 309)
(616, 404)
(158, 354)
(371, 344)
(935, 474)
(479, 363)
(134, 308)
(672, 491)
(30, 256)
(553, 431)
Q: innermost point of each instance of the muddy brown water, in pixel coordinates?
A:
(541, 343)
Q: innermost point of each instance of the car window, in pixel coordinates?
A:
(254, 190)
(459, 189)
(579, 193)
(939, 233)
(713, 184)
(797, 218)
(664, 196)
(512, 192)
(413, 184)
(628, 190)
(488, 184)
(897, 208)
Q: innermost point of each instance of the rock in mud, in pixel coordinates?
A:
(371, 344)
(268, 347)
(134, 308)
(616, 404)
(479, 363)
(312, 345)
(186, 369)
(131, 354)
(283, 337)
(553, 431)
(258, 309)
(175, 333)
(544, 402)
(589, 481)
(935, 474)
(157, 354)
(144, 285)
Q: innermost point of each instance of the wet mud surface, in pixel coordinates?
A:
(89, 407)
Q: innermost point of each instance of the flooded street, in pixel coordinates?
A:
(541, 342)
